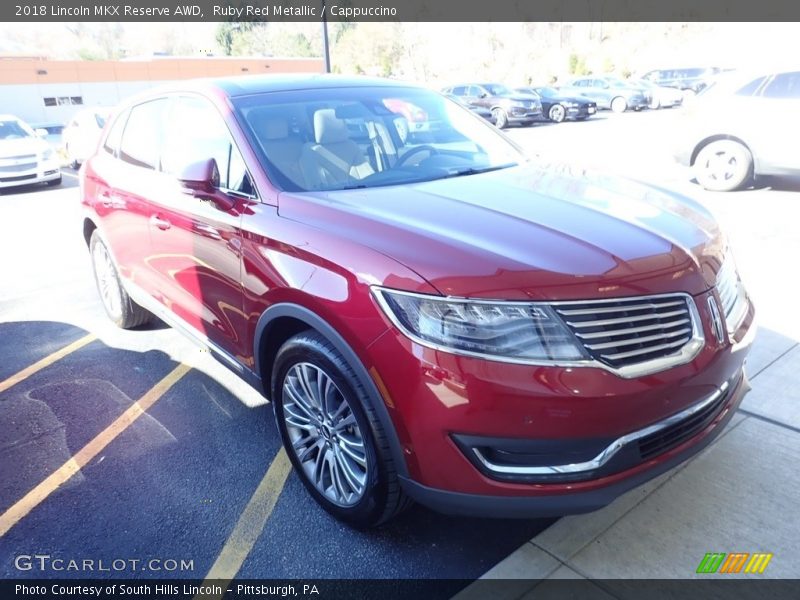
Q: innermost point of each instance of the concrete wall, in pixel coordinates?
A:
(26, 82)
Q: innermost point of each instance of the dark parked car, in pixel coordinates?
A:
(610, 94)
(507, 107)
(558, 106)
(691, 80)
(432, 316)
(742, 126)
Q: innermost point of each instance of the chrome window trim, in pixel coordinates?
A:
(684, 355)
(608, 453)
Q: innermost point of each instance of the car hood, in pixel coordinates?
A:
(528, 232)
(21, 146)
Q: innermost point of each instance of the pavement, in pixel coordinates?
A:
(741, 493)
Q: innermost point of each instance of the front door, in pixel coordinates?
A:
(195, 246)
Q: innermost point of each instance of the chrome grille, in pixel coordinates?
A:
(18, 168)
(19, 157)
(630, 331)
(731, 294)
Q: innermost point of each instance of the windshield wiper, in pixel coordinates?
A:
(475, 171)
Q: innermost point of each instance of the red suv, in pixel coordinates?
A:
(432, 316)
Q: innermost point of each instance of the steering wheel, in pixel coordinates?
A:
(416, 150)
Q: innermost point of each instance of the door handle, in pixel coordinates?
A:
(162, 224)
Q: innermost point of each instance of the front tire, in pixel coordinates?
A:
(557, 113)
(619, 104)
(119, 306)
(723, 166)
(500, 118)
(331, 434)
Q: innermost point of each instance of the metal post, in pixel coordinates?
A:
(325, 46)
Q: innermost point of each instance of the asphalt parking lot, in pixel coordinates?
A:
(199, 476)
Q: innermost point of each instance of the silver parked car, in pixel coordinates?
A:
(658, 96)
(608, 93)
(741, 126)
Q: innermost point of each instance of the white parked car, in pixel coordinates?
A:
(744, 125)
(82, 133)
(24, 156)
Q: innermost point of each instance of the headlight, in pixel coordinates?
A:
(47, 154)
(513, 331)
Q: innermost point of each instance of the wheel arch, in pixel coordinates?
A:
(280, 322)
(89, 227)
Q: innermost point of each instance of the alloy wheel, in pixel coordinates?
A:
(107, 282)
(557, 113)
(324, 434)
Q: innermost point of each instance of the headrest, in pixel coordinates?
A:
(327, 128)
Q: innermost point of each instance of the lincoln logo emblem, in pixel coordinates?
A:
(716, 319)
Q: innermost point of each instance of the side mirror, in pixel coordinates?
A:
(482, 95)
(40, 132)
(606, 86)
(201, 180)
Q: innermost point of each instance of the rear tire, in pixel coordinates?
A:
(619, 104)
(119, 306)
(723, 166)
(332, 435)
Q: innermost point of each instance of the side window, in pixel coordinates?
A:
(783, 85)
(141, 140)
(194, 132)
(111, 145)
(580, 83)
(459, 90)
(474, 91)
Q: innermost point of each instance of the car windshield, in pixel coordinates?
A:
(546, 91)
(496, 89)
(10, 130)
(363, 137)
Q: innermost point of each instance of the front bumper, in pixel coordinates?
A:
(580, 499)
(575, 112)
(39, 172)
(444, 406)
(523, 115)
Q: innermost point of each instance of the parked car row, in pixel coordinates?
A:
(576, 100)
